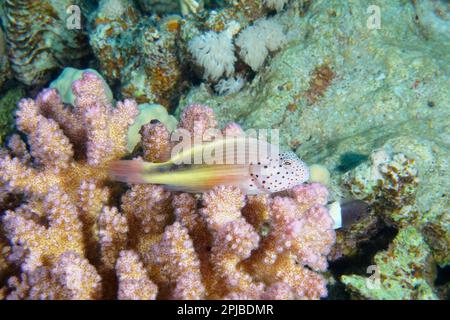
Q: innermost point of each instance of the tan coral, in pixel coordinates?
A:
(134, 283)
(72, 242)
(173, 261)
(39, 244)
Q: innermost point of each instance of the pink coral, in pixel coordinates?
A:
(155, 142)
(197, 119)
(70, 277)
(79, 236)
(134, 283)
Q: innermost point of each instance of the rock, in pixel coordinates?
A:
(340, 90)
(405, 271)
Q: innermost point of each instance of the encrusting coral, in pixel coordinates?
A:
(137, 51)
(406, 271)
(73, 239)
(152, 58)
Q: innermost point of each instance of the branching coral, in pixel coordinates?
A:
(134, 283)
(64, 176)
(72, 241)
(69, 277)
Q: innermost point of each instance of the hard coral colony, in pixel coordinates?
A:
(356, 101)
(72, 240)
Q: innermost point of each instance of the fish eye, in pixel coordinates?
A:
(287, 163)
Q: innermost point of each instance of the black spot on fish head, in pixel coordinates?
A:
(289, 171)
(280, 173)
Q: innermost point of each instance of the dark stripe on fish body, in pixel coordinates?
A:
(170, 167)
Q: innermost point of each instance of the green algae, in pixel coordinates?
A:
(8, 105)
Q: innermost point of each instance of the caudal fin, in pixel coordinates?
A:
(129, 171)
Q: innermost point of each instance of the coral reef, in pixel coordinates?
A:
(39, 39)
(64, 176)
(138, 52)
(348, 81)
(389, 187)
(396, 186)
(364, 104)
(338, 88)
(64, 84)
(406, 271)
(70, 240)
(150, 57)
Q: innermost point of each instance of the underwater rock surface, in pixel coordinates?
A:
(337, 80)
(339, 90)
(398, 276)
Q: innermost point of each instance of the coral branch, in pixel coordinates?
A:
(134, 283)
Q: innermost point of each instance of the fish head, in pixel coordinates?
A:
(279, 173)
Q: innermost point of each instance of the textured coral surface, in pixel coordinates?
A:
(366, 102)
(70, 237)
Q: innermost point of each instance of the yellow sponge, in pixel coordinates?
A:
(319, 173)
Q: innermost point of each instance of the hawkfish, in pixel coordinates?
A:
(253, 165)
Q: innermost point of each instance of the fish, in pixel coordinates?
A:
(253, 165)
(348, 212)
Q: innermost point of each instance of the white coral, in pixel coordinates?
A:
(113, 9)
(256, 41)
(275, 4)
(215, 53)
(230, 85)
